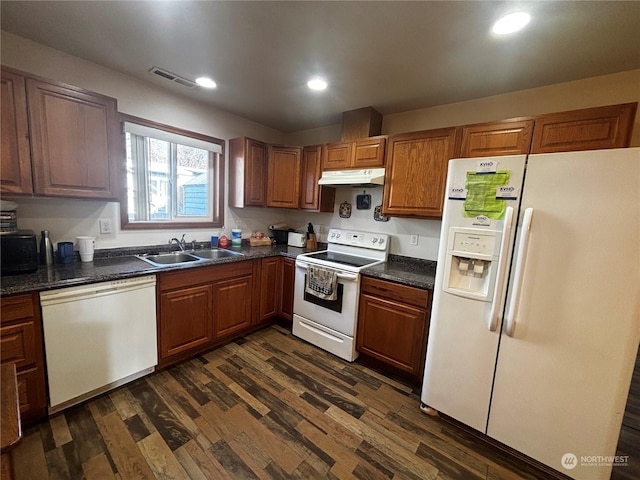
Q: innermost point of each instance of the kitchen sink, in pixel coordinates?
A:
(166, 259)
(215, 253)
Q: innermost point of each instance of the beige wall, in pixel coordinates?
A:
(611, 89)
(67, 218)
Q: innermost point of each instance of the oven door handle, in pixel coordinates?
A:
(341, 276)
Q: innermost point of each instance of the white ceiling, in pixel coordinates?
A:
(395, 56)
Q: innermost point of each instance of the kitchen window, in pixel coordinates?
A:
(174, 178)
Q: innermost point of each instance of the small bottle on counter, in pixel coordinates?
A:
(46, 248)
(223, 240)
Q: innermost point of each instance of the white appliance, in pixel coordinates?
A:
(537, 351)
(331, 324)
(98, 336)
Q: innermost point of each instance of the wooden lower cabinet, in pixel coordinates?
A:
(201, 307)
(232, 305)
(288, 277)
(21, 343)
(393, 324)
(268, 290)
(185, 320)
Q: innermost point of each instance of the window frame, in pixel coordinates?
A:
(217, 185)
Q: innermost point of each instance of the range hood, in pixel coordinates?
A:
(369, 177)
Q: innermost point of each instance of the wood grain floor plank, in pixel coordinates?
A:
(205, 460)
(189, 464)
(386, 445)
(84, 431)
(57, 464)
(98, 468)
(160, 458)
(28, 456)
(130, 463)
(343, 456)
(123, 402)
(172, 431)
(60, 429)
(231, 462)
(249, 399)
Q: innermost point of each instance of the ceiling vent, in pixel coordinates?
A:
(172, 77)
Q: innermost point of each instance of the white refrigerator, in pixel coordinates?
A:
(535, 320)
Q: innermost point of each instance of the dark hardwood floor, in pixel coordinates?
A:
(267, 406)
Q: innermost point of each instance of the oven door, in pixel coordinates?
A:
(340, 314)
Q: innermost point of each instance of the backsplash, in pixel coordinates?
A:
(68, 218)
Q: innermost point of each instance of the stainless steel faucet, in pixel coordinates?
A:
(181, 243)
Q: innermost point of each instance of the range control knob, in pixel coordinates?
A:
(374, 240)
(381, 241)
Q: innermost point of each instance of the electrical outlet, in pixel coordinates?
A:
(413, 240)
(105, 225)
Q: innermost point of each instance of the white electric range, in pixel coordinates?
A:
(331, 323)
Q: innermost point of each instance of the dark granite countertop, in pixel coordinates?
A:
(413, 272)
(119, 263)
(115, 264)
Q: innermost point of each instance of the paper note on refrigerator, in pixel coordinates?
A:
(481, 194)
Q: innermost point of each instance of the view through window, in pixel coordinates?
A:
(171, 178)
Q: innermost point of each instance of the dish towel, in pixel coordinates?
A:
(321, 283)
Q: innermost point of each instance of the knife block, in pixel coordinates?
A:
(312, 243)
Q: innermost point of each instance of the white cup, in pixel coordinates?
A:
(86, 245)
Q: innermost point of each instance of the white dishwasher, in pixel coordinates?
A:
(98, 336)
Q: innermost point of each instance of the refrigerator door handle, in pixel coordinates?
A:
(514, 304)
(496, 306)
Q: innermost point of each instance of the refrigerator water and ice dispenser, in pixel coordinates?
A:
(471, 263)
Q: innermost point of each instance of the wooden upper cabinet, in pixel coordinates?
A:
(362, 153)
(74, 141)
(587, 129)
(247, 173)
(313, 196)
(416, 171)
(369, 152)
(15, 177)
(283, 184)
(337, 156)
(494, 139)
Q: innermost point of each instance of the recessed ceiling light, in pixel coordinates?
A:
(511, 23)
(317, 84)
(206, 82)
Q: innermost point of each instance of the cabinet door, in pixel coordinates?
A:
(269, 288)
(74, 141)
(337, 156)
(313, 196)
(288, 281)
(21, 343)
(416, 173)
(231, 306)
(392, 332)
(185, 320)
(494, 139)
(283, 186)
(369, 152)
(255, 192)
(588, 129)
(15, 176)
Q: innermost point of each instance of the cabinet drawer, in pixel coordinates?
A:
(17, 344)
(16, 308)
(196, 276)
(400, 293)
